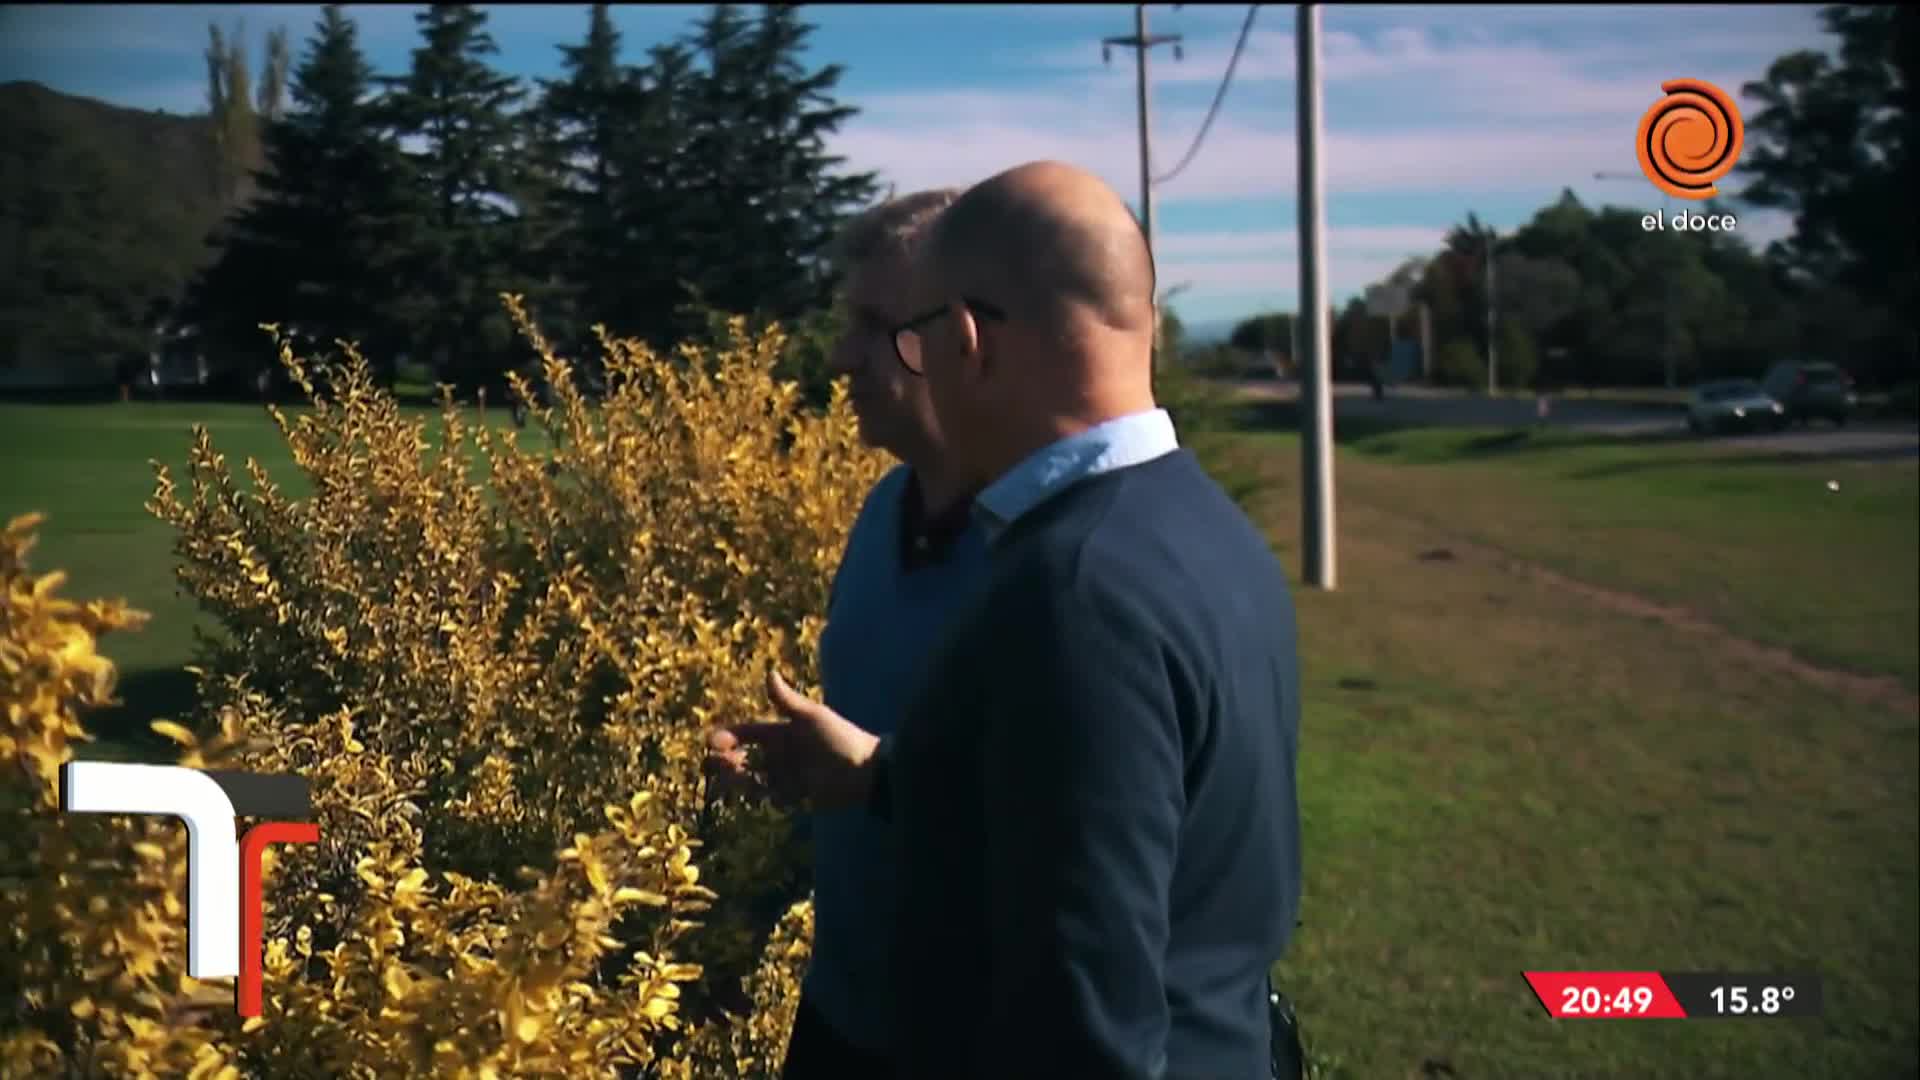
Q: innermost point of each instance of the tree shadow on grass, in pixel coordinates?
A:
(124, 731)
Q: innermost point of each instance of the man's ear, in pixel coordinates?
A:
(966, 331)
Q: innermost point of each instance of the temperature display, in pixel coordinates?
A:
(1663, 995)
(1720, 994)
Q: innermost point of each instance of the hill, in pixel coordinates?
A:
(103, 210)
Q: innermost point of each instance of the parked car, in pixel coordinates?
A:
(1809, 390)
(1733, 405)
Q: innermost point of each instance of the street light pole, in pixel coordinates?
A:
(1493, 346)
(1316, 367)
(1140, 43)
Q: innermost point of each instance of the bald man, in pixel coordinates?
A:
(1093, 788)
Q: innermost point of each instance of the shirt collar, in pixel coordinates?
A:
(1115, 444)
(926, 539)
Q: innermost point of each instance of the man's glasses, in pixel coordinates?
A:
(907, 346)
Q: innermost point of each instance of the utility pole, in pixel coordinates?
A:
(1493, 347)
(1140, 42)
(1316, 459)
(1426, 343)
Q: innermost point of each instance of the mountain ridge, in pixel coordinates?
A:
(104, 211)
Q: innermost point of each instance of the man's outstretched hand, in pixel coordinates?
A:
(814, 756)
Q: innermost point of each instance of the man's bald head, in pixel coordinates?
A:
(1063, 256)
(1053, 244)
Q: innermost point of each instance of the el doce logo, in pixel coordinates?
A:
(223, 877)
(1690, 139)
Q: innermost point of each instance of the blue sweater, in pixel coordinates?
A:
(881, 626)
(1095, 795)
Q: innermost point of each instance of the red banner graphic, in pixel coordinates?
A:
(1605, 995)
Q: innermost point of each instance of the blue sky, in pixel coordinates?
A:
(1431, 110)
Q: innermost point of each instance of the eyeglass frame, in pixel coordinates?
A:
(913, 325)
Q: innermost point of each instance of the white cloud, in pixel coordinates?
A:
(1238, 161)
(1408, 73)
(1762, 227)
(1409, 109)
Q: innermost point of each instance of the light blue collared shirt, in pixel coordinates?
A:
(1124, 441)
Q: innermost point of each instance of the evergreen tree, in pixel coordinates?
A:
(1834, 143)
(587, 116)
(803, 197)
(315, 249)
(762, 187)
(652, 250)
(459, 253)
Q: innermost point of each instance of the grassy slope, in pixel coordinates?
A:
(1497, 775)
(1753, 543)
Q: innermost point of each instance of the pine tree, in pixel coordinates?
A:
(768, 193)
(584, 116)
(459, 254)
(804, 197)
(651, 249)
(316, 248)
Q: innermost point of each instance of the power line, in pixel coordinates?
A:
(1218, 97)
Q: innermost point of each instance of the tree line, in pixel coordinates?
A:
(1585, 296)
(392, 210)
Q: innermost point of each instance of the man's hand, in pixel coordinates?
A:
(815, 755)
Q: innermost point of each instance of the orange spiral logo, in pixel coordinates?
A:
(1690, 138)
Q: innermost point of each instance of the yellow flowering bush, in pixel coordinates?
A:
(494, 655)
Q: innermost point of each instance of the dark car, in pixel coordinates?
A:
(1733, 405)
(1809, 390)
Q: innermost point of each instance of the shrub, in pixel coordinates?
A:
(495, 662)
(1459, 363)
(1200, 405)
(1519, 358)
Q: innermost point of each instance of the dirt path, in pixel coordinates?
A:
(1881, 690)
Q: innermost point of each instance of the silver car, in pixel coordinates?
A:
(1733, 405)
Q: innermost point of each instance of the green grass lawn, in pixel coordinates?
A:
(87, 468)
(1498, 774)
(1752, 543)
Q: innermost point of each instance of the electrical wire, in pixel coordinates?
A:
(1218, 97)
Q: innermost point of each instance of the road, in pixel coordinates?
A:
(1428, 407)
